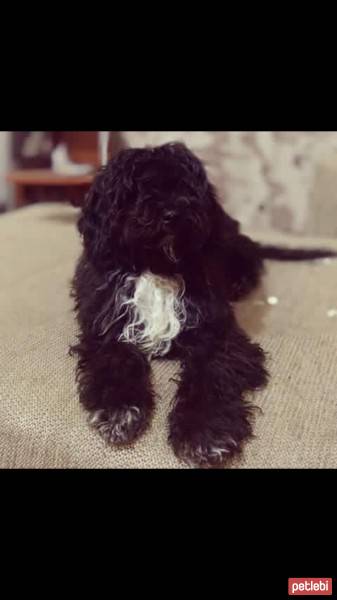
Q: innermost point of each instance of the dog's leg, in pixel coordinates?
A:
(211, 417)
(115, 387)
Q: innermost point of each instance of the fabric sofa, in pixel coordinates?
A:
(41, 422)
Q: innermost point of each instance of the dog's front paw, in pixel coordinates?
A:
(119, 426)
(205, 451)
(210, 443)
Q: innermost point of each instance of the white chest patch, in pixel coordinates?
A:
(156, 313)
(154, 310)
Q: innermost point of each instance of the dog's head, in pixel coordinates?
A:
(151, 209)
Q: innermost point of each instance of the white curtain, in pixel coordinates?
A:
(104, 137)
(5, 160)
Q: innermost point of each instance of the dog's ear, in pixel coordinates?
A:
(223, 225)
(90, 221)
(96, 221)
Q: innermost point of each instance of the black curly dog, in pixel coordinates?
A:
(154, 211)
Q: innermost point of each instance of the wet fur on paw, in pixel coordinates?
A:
(207, 454)
(211, 441)
(119, 426)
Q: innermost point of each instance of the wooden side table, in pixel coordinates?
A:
(25, 179)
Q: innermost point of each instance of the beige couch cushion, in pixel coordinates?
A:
(41, 422)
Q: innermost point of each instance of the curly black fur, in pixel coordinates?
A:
(154, 210)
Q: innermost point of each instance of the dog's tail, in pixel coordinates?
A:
(294, 254)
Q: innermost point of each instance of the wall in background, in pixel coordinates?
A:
(279, 180)
(266, 179)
